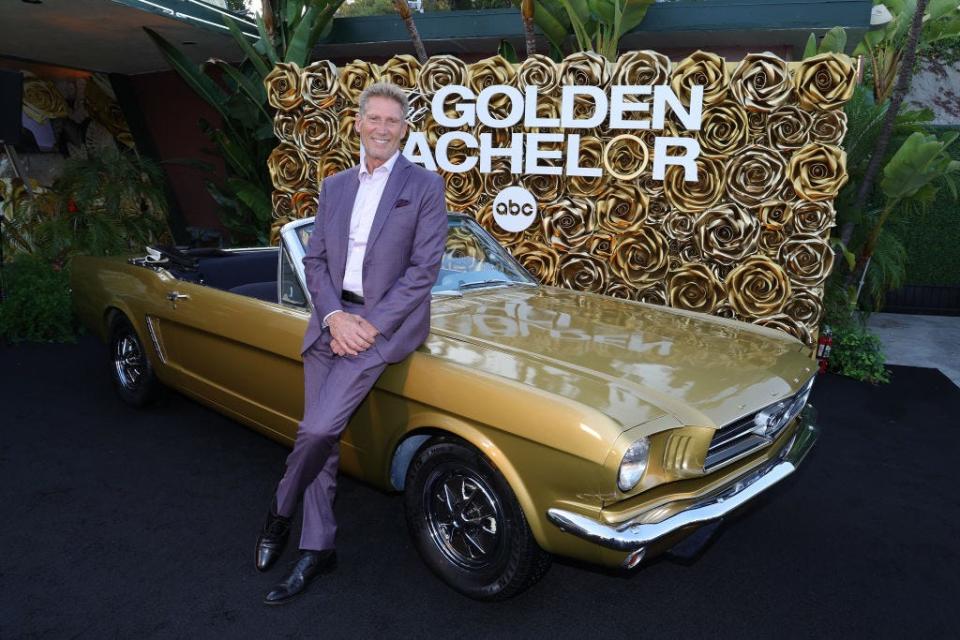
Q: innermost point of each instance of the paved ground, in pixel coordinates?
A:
(920, 341)
(132, 524)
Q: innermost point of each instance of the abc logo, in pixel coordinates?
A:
(514, 209)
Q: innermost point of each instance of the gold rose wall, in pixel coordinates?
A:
(747, 240)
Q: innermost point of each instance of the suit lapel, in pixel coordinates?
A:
(398, 178)
(339, 231)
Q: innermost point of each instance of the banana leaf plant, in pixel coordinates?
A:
(884, 47)
(597, 25)
(243, 137)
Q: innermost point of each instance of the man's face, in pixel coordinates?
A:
(381, 128)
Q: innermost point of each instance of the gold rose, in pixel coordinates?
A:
(288, 168)
(770, 241)
(354, 78)
(538, 71)
(585, 68)
(334, 162)
(463, 189)
(808, 259)
(304, 203)
(825, 81)
(316, 133)
(625, 157)
(283, 126)
(283, 86)
(641, 257)
(723, 129)
(754, 175)
(600, 244)
(814, 217)
(320, 85)
(805, 306)
(581, 272)
(567, 223)
(775, 214)
(761, 82)
(785, 323)
(657, 210)
(818, 171)
(401, 70)
(758, 287)
(789, 127)
(440, 71)
(700, 68)
(679, 225)
(281, 205)
(591, 156)
(700, 194)
(641, 68)
(726, 234)
(545, 189)
(621, 208)
(42, 101)
(488, 72)
(829, 127)
(617, 288)
(655, 293)
(348, 137)
(694, 287)
(539, 260)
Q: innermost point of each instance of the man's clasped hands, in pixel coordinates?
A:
(351, 334)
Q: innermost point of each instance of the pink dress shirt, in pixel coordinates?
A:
(361, 219)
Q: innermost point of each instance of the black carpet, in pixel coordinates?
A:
(119, 523)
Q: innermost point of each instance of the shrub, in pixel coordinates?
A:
(858, 353)
(37, 305)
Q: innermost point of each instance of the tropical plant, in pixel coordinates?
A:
(886, 47)
(288, 31)
(597, 25)
(103, 204)
(914, 173)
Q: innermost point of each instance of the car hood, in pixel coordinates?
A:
(632, 361)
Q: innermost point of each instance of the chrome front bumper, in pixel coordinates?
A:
(633, 535)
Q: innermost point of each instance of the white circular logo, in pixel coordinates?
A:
(514, 209)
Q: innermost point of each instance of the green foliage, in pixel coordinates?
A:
(244, 138)
(931, 239)
(110, 203)
(921, 162)
(37, 305)
(858, 354)
(597, 25)
(833, 41)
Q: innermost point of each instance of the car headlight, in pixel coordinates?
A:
(779, 415)
(633, 465)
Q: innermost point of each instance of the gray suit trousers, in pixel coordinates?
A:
(334, 387)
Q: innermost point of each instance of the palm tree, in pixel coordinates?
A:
(404, 10)
(883, 139)
(527, 13)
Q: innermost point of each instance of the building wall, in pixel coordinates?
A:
(170, 115)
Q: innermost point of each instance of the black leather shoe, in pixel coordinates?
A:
(272, 539)
(310, 565)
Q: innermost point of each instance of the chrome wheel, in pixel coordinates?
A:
(128, 362)
(463, 517)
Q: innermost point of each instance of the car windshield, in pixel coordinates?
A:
(472, 260)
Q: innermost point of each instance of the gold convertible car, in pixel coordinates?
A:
(533, 421)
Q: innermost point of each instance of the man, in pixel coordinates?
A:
(371, 262)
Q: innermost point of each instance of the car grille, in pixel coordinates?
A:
(743, 437)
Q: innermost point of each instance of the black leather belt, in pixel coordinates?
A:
(350, 296)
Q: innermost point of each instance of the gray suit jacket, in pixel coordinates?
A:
(402, 259)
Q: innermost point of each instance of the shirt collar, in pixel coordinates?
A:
(386, 167)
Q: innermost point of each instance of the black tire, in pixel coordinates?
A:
(130, 368)
(506, 558)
